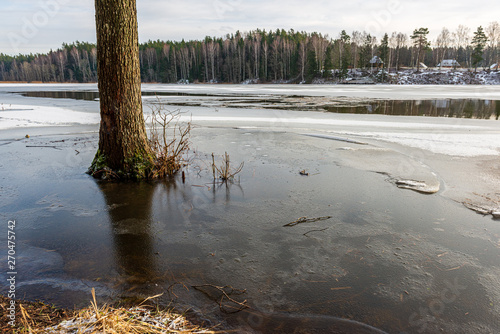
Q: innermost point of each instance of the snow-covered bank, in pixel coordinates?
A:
(445, 77)
(428, 76)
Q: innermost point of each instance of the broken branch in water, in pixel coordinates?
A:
(224, 295)
(170, 289)
(306, 220)
(46, 146)
(326, 228)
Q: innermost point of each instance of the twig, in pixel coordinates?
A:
(241, 305)
(170, 289)
(306, 220)
(94, 305)
(46, 146)
(151, 297)
(25, 317)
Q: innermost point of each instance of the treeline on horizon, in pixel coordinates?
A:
(259, 56)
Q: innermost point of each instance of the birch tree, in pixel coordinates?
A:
(442, 42)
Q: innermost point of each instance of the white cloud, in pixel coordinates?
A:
(195, 19)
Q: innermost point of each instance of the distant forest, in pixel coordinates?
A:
(258, 56)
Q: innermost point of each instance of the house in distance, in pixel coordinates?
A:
(448, 63)
(376, 62)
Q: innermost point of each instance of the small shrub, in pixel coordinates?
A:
(224, 171)
(169, 139)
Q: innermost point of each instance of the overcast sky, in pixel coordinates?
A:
(32, 26)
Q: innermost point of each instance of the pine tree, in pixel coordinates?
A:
(478, 44)
(366, 51)
(420, 41)
(384, 53)
(345, 54)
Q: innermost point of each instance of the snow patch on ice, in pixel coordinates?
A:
(454, 144)
(419, 186)
(15, 116)
(325, 121)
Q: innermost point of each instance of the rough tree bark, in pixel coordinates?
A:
(124, 150)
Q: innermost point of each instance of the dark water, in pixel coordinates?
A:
(458, 108)
(389, 258)
(93, 95)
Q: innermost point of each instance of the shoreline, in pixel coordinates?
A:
(39, 317)
(358, 77)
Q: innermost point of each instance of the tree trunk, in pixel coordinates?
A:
(124, 150)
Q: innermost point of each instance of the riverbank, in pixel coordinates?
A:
(427, 76)
(143, 317)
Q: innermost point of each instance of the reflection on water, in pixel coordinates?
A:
(129, 208)
(75, 95)
(459, 108)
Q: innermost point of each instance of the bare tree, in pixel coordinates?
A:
(462, 37)
(60, 59)
(356, 40)
(493, 34)
(151, 60)
(303, 56)
(276, 55)
(265, 49)
(256, 52)
(443, 41)
(401, 41)
(319, 44)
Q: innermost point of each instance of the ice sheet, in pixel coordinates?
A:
(328, 120)
(455, 137)
(391, 92)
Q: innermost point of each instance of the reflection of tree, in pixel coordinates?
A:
(129, 207)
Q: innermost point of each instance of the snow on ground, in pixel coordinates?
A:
(445, 77)
(20, 116)
(312, 121)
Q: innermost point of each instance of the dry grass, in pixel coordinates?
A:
(35, 318)
(169, 139)
(30, 315)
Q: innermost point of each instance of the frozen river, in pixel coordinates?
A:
(388, 257)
